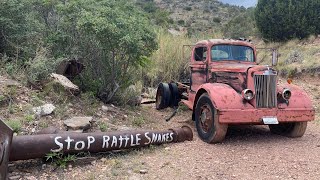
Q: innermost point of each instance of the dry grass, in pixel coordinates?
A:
(297, 57)
(168, 62)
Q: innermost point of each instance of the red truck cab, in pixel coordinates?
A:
(228, 87)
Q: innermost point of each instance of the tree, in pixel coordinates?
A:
(280, 20)
(122, 37)
(113, 38)
(13, 27)
(241, 26)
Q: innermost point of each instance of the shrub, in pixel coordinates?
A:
(14, 124)
(188, 8)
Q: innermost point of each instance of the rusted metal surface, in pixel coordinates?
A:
(37, 146)
(224, 81)
(5, 142)
(254, 116)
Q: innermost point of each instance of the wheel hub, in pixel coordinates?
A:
(206, 119)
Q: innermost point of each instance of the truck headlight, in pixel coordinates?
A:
(247, 94)
(286, 94)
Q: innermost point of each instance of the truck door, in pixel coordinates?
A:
(199, 67)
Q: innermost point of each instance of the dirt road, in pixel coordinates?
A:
(249, 152)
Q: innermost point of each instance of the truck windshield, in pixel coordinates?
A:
(232, 52)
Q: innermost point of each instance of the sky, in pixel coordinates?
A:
(245, 3)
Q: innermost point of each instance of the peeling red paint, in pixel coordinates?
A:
(225, 80)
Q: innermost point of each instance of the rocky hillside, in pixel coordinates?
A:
(244, 3)
(199, 16)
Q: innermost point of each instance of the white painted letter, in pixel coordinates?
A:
(91, 140)
(68, 140)
(163, 137)
(167, 137)
(154, 137)
(149, 139)
(132, 144)
(138, 139)
(171, 137)
(127, 139)
(120, 139)
(159, 138)
(114, 141)
(57, 143)
(82, 145)
(105, 143)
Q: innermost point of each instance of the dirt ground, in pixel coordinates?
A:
(248, 152)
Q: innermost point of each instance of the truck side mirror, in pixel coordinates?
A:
(274, 57)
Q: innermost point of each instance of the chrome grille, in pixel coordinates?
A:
(265, 89)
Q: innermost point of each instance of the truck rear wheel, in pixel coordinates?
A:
(294, 130)
(174, 100)
(163, 96)
(207, 123)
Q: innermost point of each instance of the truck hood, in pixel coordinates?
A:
(231, 67)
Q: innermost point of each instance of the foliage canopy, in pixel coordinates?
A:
(111, 37)
(280, 20)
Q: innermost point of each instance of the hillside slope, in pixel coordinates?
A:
(244, 3)
(199, 16)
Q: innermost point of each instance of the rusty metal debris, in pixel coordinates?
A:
(38, 146)
(5, 142)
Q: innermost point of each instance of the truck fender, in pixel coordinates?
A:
(299, 97)
(222, 96)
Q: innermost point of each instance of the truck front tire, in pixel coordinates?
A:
(293, 130)
(207, 123)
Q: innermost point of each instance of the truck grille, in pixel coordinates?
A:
(265, 89)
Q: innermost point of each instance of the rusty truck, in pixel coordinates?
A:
(228, 87)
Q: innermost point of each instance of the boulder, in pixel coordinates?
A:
(78, 123)
(44, 110)
(65, 82)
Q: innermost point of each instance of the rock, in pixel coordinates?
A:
(145, 95)
(152, 92)
(134, 177)
(78, 123)
(33, 130)
(105, 108)
(43, 166)
(14, 177)
(65, 82)
(143, 171)
(44, 110)
(93, 163)
(31, 178)
(135, 101)
(103, 159)
(49, 130)
(124, 128)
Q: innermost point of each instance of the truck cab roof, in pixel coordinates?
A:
(211, 42)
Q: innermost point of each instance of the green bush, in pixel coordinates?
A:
(41, 66)
(241, 26)
(14, 124)
(188, 8)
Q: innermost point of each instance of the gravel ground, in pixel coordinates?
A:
(249, 152)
